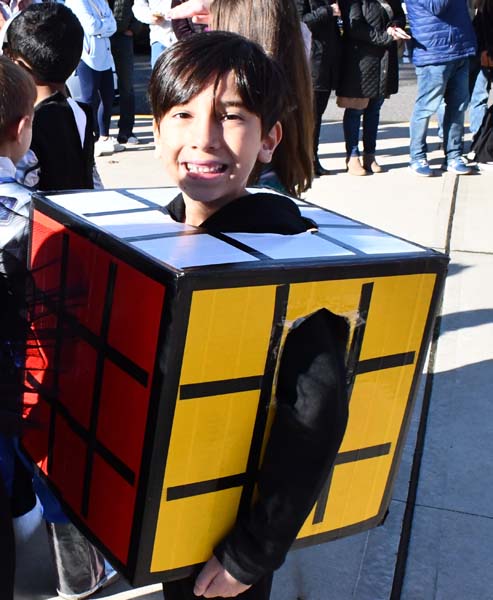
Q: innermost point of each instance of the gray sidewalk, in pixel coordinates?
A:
(448, 537)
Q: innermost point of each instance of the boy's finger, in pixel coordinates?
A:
(205, 577)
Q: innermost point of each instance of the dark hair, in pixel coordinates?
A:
(17, 95)
(48, 37)
(275, 25)
(191, 64)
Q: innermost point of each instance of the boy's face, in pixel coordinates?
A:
(209, 146)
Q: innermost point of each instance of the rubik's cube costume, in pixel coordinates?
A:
(192, 396)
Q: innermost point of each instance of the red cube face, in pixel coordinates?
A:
(97, 320)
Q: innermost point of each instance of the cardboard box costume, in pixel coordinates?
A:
(157, 367)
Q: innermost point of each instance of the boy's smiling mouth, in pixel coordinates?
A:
(205, 168)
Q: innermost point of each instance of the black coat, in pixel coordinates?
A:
(326, 42)
(369, 63)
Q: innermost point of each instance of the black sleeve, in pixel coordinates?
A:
(306, 434)
(316, 19)
(358, 28)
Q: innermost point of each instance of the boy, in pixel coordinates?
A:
(217, 102)
(17, 98)
(46, 39)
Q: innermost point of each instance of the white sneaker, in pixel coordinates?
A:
(110, 577)
(133, 141)
(105, 146)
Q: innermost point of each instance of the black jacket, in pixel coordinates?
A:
(370, 63)
(311, 411)
(64, 163)
(483, 26)
(326, 42)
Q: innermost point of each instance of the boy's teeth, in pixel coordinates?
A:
(204, 168)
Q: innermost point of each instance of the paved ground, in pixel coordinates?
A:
(443, 520)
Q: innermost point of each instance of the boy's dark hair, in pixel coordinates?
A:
(17, 95)
(189, 65)
(48, 37)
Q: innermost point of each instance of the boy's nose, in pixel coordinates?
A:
(206, 132)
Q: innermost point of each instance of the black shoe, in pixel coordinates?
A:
(319, 170)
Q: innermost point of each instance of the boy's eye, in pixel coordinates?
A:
(231, 117)
(181, 115)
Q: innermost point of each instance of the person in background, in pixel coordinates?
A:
(370, 74)
(95, 69)
(444, 41)
(161, 32)
(17, 98)
(276, 27)
(321, 18)
(122, 49)
(481, 68)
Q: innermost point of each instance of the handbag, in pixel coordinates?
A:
(357, 103)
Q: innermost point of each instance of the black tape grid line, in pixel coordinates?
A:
(221, 387)
(60, 301)
(240, 246)
(343, 458)
(389, 361)
(179, 492)
(118, 465)
(358, 334)
(123, 211)
(337, 242)
(148, 205)
(161, 236)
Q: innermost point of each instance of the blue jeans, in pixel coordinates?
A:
(156, 50)
(449, 82)
(351, 124)
(96, 89)
(122, 48)
(479, 100)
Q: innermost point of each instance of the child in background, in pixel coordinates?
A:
(46, 39)
(218, 102)
(16, 115)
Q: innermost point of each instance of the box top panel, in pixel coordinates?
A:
(138, 218)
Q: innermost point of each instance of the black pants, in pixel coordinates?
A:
(320, 99)
(183, 589)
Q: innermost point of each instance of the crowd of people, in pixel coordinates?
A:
(265, 98)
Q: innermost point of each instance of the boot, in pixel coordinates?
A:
(354, 167)
(318, 169)
(371, 165)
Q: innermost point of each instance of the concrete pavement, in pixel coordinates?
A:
(443, 521)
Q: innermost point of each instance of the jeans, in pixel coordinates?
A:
(351, 125)
(479, 100)
(156, 50)
(122, 48)
(449, 82)
(96, 89)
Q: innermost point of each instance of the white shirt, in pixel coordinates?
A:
(145, 9)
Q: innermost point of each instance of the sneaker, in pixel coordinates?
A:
(105, 146)
(131, 139)
(110, 576)
(421, 167)
(458, 166)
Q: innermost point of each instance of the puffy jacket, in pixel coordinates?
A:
(442, 31)
(369, 52)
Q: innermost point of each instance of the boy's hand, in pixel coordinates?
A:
(215, 581)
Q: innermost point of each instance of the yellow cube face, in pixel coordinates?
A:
(216, 420)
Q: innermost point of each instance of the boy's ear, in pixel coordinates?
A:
(156, 133)
(16, 130)
(269, 143)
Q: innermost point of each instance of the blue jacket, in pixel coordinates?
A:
(442, 31)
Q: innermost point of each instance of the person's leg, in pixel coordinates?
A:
(183, 589)
(123, 55)
(320, 101)
(351, 125)
(479, 100)
(456, 101)
(431, 89)
(106, 93)
(156, 50)
(89, 82)
(371, 119)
